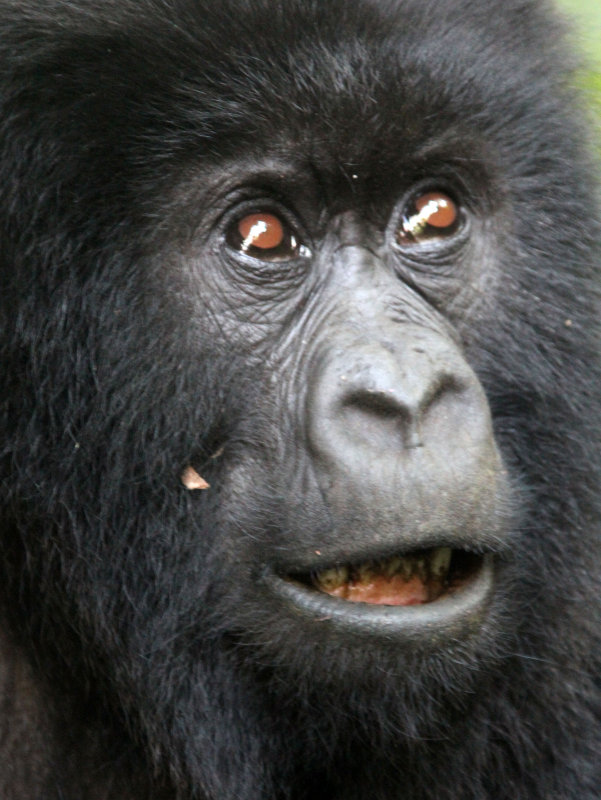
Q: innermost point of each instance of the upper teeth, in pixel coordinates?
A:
(440, 561)
(330, 579)
(427, 565)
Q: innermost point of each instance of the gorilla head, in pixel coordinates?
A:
(300, 416)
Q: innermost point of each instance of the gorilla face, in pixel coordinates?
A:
(365, 506)
(300, 425)
(391, 493)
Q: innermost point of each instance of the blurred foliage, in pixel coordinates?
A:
(586, 15)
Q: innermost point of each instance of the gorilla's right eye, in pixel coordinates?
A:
(264, 236)
(431, 215)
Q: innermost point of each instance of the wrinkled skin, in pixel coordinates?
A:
(300, 421)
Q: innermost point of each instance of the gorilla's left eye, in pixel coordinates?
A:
(265, 236)
(432, 215)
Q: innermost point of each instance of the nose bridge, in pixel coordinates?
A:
(372, 299)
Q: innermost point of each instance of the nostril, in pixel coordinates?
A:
(396, 416)
(381, 419)
(409, 400)
(443, 386)
(379, 403)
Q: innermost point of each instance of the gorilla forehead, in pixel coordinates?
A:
(319, 71)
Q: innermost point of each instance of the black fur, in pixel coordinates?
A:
(137, 661)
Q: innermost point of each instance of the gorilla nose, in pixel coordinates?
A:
(386, 405)
(383, 402)
(401, 437)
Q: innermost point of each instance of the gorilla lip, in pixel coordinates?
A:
(427, 590)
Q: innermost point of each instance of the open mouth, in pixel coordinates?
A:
(422, 576)
(421, 595)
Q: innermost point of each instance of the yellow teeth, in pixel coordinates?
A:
(331, 579)
(430, 565)
(440, 561)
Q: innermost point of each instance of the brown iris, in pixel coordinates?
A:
(432, 215)
(264, 231)
(264, 236)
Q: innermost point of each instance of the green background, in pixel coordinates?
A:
(586, 15)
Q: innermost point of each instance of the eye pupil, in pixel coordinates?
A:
(263, 231)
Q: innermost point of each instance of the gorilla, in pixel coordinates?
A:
(300, 424)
